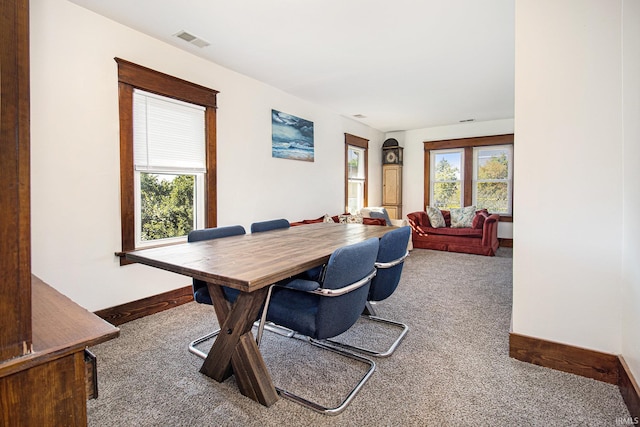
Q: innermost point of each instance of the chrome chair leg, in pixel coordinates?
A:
(263, 317)
(280, 330)
(276, 329)
(194, 343)
(321, 344)
(260, 324)
(347, 400)
(371, 315)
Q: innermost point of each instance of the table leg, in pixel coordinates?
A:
(235, 346)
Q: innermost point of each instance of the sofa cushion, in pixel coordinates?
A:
(450, 231)
(447, 217)
(435, 217)
(374, 221)
(462, 217)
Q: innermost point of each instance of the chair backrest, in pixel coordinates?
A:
(200, 290)
(393, 249)
(273, 224)
(346, 265)
(215, 233)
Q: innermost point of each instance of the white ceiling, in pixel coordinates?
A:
(404, 64)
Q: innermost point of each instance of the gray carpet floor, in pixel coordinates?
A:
(452, 369)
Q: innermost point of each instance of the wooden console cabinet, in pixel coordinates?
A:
(50, 385)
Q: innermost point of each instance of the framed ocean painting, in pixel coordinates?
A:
(291, 137)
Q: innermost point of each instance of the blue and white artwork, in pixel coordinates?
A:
(292, 137)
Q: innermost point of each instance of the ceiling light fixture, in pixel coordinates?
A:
(190, 38)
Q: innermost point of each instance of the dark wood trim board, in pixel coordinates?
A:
(506, 243)
(580, 361)
(566, 358)
(124, 313)
(629, 390)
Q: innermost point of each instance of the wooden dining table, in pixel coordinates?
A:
(250, 263)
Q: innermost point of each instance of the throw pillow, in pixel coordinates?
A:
(383, 214)
(462, 217)
(435, 217)
(350, 219)
(327, 218)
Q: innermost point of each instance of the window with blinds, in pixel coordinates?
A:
(169, 164)
(168, 134)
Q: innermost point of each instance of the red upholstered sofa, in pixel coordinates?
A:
(335, 218)
(481, 239)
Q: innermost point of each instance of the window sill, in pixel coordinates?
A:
(123, 254)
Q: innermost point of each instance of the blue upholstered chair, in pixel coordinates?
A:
(200, 290)
(273, 224)
(389, 263)
(320, 310)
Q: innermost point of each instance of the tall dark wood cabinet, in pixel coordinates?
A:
(44, 369)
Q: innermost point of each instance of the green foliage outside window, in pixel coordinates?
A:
(492, 191)
(493, 195)
(446, 189)
(167, 203)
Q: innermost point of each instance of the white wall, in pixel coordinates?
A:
(413, 170)
(569, 153)
(75, 152)
(630, 304)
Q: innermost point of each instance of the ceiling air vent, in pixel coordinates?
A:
(190, 38)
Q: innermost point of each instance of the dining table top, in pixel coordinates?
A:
(252, 261)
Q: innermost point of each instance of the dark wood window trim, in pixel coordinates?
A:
(15, 199)
(468, 144)
(132, 76)
(355, 141)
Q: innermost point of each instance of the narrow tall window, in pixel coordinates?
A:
(355, 165)
(492, 178)
(447, 178)
(170, 163)
(167, 157)
(356, 153)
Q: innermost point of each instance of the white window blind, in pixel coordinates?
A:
(168, 134)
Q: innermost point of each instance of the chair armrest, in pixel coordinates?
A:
(392, 263)
(314, 287)
(346, 289)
